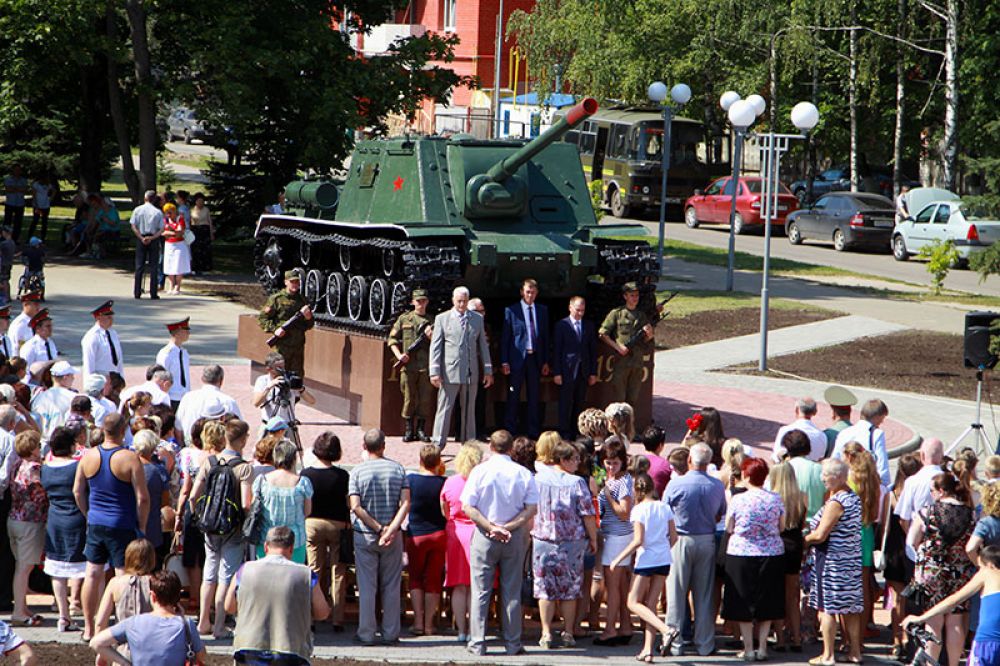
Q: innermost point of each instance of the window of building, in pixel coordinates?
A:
(449, 14)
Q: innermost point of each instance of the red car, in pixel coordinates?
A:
(712, 206)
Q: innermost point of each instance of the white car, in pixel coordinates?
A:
(941, 215)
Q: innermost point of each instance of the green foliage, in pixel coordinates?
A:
(596, 188)
(941, 257)
(987, 262)
(165, 174)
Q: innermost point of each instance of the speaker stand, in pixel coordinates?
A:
(981, 444)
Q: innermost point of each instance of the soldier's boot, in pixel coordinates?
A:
(408, 432)
(421, 434)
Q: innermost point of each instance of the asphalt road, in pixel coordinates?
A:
(813, 252)
(196, 148)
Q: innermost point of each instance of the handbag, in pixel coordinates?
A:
(346, 546)
(188, 236)
(253, 523)
(190, 656)
(915, 594)
(878, 556)
(174, 562)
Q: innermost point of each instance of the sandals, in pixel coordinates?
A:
(819, 661)
(646, 657)
(66, 624)
(667, 641)
(32, 621)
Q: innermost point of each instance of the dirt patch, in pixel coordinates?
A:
(930, 363)
(712, 325)
(249, 294)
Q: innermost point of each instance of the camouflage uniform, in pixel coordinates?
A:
(279, 308)
(626, 379)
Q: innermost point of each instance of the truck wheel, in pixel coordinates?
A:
(691, 217)
(899, 248)
(618, 206)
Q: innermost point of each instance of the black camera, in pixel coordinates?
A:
(292, 380)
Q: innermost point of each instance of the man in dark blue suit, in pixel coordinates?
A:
(524, 348)
(574, 364)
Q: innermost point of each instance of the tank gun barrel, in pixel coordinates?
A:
(504, 169)
(320, 194)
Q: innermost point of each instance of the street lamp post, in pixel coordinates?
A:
(680, 94)
(741, 115)
(804, 116)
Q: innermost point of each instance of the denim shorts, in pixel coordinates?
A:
(223, 556)
(107, 544)
(662, 570)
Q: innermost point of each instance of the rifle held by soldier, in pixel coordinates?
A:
(415, 345)
(640, 335)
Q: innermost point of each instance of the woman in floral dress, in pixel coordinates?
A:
(564, 528)
(939, 533)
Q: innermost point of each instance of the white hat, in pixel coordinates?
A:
(7, 391)
(93, 383)
(213, 409)
(63, 368)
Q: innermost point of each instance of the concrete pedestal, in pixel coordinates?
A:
(352, 377)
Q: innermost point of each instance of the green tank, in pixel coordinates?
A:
(438, 212)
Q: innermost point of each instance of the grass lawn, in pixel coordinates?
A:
(693, 301)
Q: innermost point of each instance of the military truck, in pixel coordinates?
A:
(437, 212)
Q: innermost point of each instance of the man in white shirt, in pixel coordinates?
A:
(20, 329)
(147, 225)
(102, 350)
(868, 433)
(157, 384)
(267, 391)
(41, 346)
(500, 497)
(917, 489)
(7, 347)
(51, 407)
(177, 360)
(194, 405)
(805, 410)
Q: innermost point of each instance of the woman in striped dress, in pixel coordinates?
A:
(835, 534)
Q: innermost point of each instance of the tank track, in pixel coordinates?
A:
(622, 261)
(357, 285)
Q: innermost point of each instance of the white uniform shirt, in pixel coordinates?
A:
(817, 440)
(8, 347)
(51, 407)
(36, 349)
(20, 330)
(872, 439)
(197, 404)
(178, 361)
(150, 387)
(97, 352)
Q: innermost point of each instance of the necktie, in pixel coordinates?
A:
(114, 353)
(579, 329)
(48, 350)
(531, 328)
(180, 360)
(6, 352)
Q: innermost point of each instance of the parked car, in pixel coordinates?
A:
(182, 124)
(713, 205)
(941, 215)
(831, 180)
(848, 219)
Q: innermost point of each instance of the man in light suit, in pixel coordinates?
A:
(524, 348)
(458, 345)
(574, 364)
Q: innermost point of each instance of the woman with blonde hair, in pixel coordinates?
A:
(864, 480)
(987, 530)
(458, 534)
(544, 448)
(621, 421)
(783, 482)
(593, 423)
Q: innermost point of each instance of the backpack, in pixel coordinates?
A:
(220, 509)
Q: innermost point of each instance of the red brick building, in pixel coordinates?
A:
(475, 23)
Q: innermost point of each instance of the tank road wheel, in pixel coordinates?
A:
(400, 297)
(388, 261)
(312, 288)
(272, 260)
(344, 255)
(305, 252)
(357, 297)
(335, 288)
(380, 301)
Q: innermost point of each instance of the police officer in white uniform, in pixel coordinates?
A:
(102, 350)
(41, 346)
(177, 360)
(20, 329)
(7, 346)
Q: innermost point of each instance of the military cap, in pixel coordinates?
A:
(838, 396)
(43, 315)
(182, 325)
(419, 293)
(31, 296)
(105, 308)
(292, 275)
(629, 286)
(5, 312)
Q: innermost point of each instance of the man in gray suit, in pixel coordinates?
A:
(458, 346)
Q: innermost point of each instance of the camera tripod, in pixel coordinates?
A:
(982, 444)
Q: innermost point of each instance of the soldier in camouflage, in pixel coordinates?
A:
(280, 307)
(414, 379)
(618, 327)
